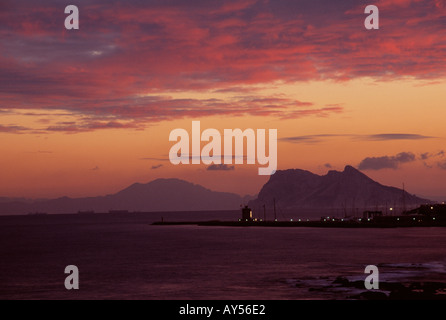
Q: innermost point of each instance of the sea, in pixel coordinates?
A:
(124, 256)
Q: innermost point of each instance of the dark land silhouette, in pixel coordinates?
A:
(158, 195)
(347, 192)
(291, 190)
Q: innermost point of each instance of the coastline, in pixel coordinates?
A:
(309, 224)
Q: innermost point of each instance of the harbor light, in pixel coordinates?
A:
(291, 220)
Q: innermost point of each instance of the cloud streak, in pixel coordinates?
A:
(317, 138)
(386, 162)
(13, 129)
(220, 167)
(396, 136)
(428, 159)
(442, 165)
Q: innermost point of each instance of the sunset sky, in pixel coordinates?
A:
(88, 112)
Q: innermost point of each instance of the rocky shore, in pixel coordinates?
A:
(415, 290)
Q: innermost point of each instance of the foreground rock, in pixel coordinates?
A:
(417, 290)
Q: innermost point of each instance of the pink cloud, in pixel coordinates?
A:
(13, 129)
(122, 51)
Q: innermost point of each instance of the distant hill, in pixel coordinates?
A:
(4, 199)
(158, 195)
(350, 190)
(294, 191)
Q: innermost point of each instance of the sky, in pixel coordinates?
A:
(88, 112)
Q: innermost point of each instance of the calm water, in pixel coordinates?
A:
(124, 257)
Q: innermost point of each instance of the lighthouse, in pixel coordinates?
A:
(246, 214)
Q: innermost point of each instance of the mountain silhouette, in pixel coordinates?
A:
(296, 189)
(158, 195)
(293, 190)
